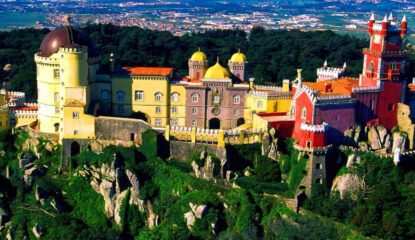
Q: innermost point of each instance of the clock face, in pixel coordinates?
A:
(394, 40)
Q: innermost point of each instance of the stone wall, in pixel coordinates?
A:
(127, 129)
(183, 150)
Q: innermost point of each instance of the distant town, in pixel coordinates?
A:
(182, 17)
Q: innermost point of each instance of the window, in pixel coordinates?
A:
(174, 122)
(371, 66)
(158, 97)
(390, 107)
(319, 180)
(216, 99)
(139, 95)
(237, 99)
(57, 110)
(236, 112)
(308, 144)
(259, 104)
(120, 96)
(372, 104)
(174, 110)
(56, 73)
(75, 115)
(194, 123)
(195, 97)
(319, 166)
(392, 65)
(304, 113)
(75, 132)
(158, 110)
(57, 97)
(194, 110)
(175, 97)
(105, 95)
(158, 122)
(120, 108)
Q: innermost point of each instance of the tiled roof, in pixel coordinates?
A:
(24, 108)
(340, 86)
(145, 70)
(411, 87)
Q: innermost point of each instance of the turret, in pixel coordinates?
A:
(325, 64)
(251, 83)
(390, 18)
(385, 26)
(344, 67)
(371, 22)
(403, 26)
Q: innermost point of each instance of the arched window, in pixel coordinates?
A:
(105, 94)
(303, 113)
(139, 95)
(236, 99)
(259, 104)
(175, 97)
(158, 110)
(158, 97)
(174, 122)
(121, 96)
(195, 97)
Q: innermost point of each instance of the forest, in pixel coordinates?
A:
(272, 55)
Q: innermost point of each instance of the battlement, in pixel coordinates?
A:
(333, 97)
(265, 87)
(363, 89)
(271, 94)
(24, 113)
(314, 128)
(81, 49)
(385, 54)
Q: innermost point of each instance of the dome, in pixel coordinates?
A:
(217, 72)
(66, 36)
(238, 58)
(198, 56)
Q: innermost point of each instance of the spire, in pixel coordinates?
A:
(404, 18)
(390, 17)
(325, 64)
(198, 49)
(344, 66)
(217, 59)
(372, 17)
(385, 19)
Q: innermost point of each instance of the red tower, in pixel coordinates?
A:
(383, 64)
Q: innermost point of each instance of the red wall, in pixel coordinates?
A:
(391, 94)
(364, 111)
(300, 102)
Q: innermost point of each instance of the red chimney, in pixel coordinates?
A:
(327, 87)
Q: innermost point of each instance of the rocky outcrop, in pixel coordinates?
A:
(195, 212)
(352, 159)
(399, 141)
(31, 171)
(209, 169)
(378, 137)
(352, 136)
(4, 217)
(348, 184)
(37, 231)
(270, 145)
(113, 183)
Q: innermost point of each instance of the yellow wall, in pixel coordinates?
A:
(181, 105)
(405, 124)
(84, 124)
(259, 123)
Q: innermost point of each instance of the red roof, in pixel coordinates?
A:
(147, 70)
(411, 87)
(342, 86)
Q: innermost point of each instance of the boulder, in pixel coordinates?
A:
(378, 137)
(266, 144)
(215, 228)
(33, 172)
(399, 141)
(201, 211)
(273, 153)
(57, 205)
(190, 220)
(10, 234)
(40, 194)
(352, 136)
(117, 206)
(196, 169)
(135, 187)
(348, 184)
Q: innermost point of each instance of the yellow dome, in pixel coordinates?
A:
(198, 57)
(238, 58)
(217, 72)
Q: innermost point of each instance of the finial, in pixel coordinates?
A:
(344, 65)
(112, 55)
(198, 49)
(325, 63)
(217, 59)
(239, 50)
(372, 17)
(404, 18)
(385, 19)
(390, 17)
(299, 73)
(67, 20)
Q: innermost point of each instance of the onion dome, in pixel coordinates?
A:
(198, 56)
(238, 57)
(67, 36)
(217, 72)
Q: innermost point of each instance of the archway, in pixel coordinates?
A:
(75, 149)
(214, 123)
(240, 122)
(142, 116)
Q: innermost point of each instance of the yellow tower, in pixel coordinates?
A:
(67, 61)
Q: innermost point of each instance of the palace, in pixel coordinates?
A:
(79, 103)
